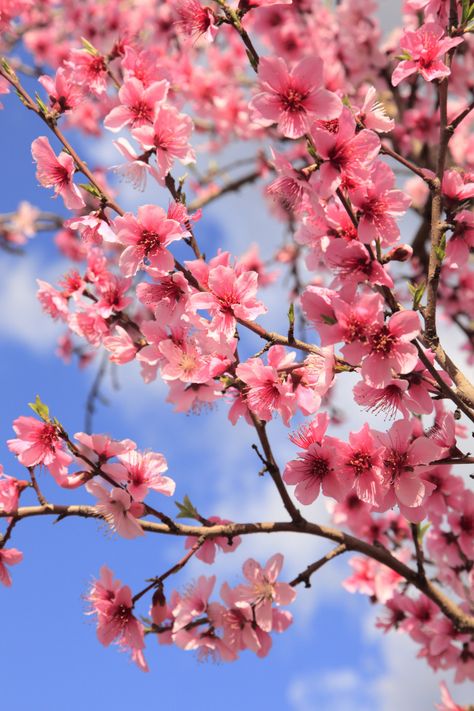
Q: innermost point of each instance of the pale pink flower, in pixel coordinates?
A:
(194, 603)
(10, 490)
(113, 605)
(267, 390)
(378, 206)
(361, 461)
(316, 469)
(121, 346)
(88, 70)
(348, 156)
(448, 703)
(264, 591)
(56, 172)
(143, 472)
(136, 169)
(230, 296)
(138, 104)
(118, 508)
(424, 49)
(92, 228)
(207, 552)
(40, 443)
(63, 95)
(390, 348)
(240, 630)
(373, 115)
(8, 556)
(293, 98)
(405, 459)
(196, 20)
(168, 137)
(462, 524)
(352, 263)
(184, 361)
(100, 448)
(52, 301)
(146, 238)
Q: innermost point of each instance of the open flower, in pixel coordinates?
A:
(293, 98)
(56, 172)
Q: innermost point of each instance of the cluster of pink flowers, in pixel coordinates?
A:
(333, 110)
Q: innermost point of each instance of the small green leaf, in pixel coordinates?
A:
(417, 291)
(91, 189)
(89, 47)
(42, 106)
(329, 320)
(291, 315)
(187, 509)
(40, 409)
(422, 530)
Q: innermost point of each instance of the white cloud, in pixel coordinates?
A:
(22, 319)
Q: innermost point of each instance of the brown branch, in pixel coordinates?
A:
(158, 581)
(462, 621)
(305, 576)
(50, 121)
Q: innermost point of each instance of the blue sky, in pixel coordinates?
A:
(49, 656)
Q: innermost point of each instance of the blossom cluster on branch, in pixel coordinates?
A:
(353, 132)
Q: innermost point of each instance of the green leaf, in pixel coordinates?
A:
(88, 187)
(422, 530)
(89, 47)
(291, 315)
(42, 106)
(329, 320)
(417, 291)
(40, 409)
(187, 509)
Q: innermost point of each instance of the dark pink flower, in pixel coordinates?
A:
(424, 49)
(293, 98)
(56, 172)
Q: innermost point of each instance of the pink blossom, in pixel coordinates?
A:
(316, 466)
(448, 702)
(113, 605)
(143, 472)
(424, 49)
(230, 296)
(118, 508)
(89, 70)
(390, 348)
(293, 98)
(56, 172)
(207, 552)
(264, 590)
(352, 263)
(196, 20)
(462, 524)
(405, 459)
(63, 95)
(348, 156)
(168, 137)
(373, 114)
(266, 389)
(8, 556)
(194, 603)
(240, 629)
(121, 346)
(138, 104)
(10, 490)
(361, 461)
(378, 206)
(40, 443)
(146, 239)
